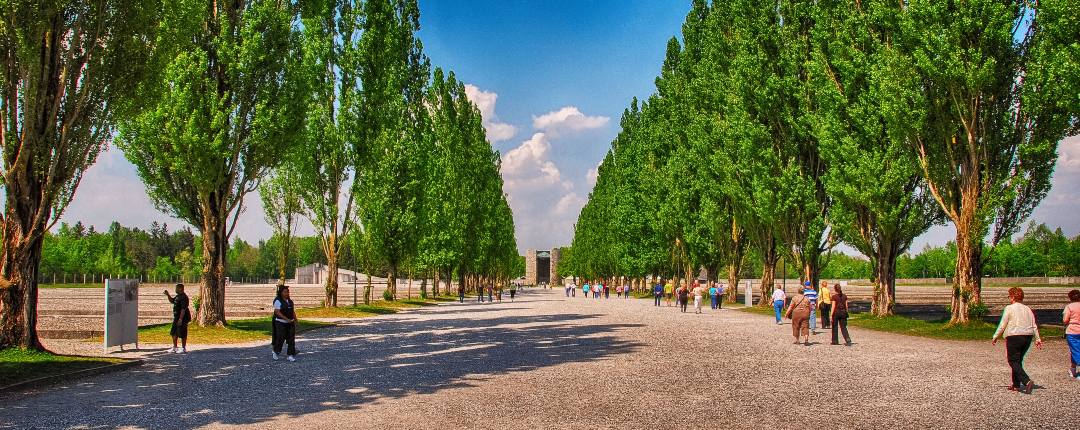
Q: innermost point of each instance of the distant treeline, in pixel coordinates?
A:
(1040, 251)
(158, 254)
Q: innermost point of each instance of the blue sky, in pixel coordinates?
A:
(551, 78)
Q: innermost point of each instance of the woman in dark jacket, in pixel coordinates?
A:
(284, 323)
(839, 315)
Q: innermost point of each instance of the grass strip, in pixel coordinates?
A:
(236, 331)
(18, 365)
(937, 329)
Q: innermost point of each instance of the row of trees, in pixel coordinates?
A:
(207, 98)
(779, 130)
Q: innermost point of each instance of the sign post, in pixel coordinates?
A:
(121, 313)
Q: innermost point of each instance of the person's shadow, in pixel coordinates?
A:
(343, 367)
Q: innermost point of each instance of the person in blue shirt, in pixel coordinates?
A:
(712, 296)
(719, 296)
(811, 296)
(658, 292)
(586, 290)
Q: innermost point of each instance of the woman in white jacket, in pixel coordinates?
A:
(1018, 326)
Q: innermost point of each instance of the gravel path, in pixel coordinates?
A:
(551, 362)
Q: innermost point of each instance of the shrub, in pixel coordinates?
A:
(387, 296)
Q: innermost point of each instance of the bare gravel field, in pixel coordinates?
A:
(550, 362)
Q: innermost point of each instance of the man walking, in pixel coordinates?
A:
(811, 296)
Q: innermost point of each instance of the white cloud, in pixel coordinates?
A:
(570, 204)
(567, 120)
(1069, 154)
(485, 102)
(592, 174)
(529, 166)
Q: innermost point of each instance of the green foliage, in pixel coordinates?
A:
(220, 116)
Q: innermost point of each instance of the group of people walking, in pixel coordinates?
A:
(1020, 330)
(493, 293)
(597, 289)
(803, 308)
(681, 294)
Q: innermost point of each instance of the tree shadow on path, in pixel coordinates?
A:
(343, 367)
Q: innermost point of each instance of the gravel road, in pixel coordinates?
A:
(549, 362)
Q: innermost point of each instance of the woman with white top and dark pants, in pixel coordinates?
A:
(1018, 326)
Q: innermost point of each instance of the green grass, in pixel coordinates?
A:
(17, 365)
(760, 310)
(378, 307)
(236, 331)
(976, 330)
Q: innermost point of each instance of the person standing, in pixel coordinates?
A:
(586, 289)
(712, 297)
(825, 304)
(1018, 326)
(698, 292)
(181, 318)
(779, 300)
(1071, 321)
(461, 293)
(513, 291)
(573, 289)
(799, 312)
(839, 315)
(658, 292)
(284, 324)
(607, 291)
(684, 297)
(812, 296)
(480, 294)
(491, 289)
(669, 291)
(720, 296)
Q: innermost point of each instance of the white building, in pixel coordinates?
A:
(317, 273)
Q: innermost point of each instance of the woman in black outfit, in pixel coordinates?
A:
(684, 297)
(839, 315)
(284, 323)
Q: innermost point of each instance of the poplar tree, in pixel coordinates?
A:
(882, 203)
(71, 70)
(282, 208)
(983, 92)
(391, 124)
(330, 42)
(222, 116)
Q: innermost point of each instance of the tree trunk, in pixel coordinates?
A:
(215, 247)
(967, 283)
(367, 289)
(283, 254)
(885, 282)
(332, 272)
(435, 283)
(18, 288)
(409, 296)
(733, 282)
(768, 275)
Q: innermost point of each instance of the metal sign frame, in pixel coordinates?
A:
(121, 314)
